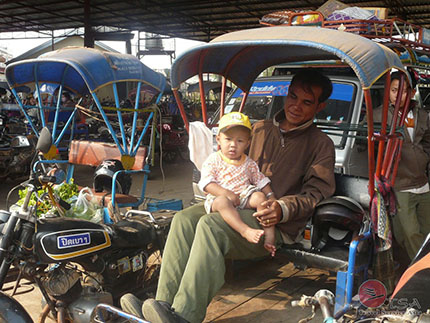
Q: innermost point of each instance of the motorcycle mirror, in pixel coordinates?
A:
(45, 141)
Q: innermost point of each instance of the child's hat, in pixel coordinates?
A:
(234, 119)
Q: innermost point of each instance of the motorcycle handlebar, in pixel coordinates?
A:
(64, 204)
(56, 176)
(46, 179)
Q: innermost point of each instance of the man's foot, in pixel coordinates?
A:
(131, 304)
(160, 312)
(252, 235)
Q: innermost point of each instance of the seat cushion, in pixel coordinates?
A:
(104, 198)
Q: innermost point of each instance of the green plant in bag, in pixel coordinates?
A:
(65, 191)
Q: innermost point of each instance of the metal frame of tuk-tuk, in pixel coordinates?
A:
(84, 71)
(239, 48)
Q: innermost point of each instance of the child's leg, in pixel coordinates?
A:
(230, 215)
(254, 202)
(269, 240)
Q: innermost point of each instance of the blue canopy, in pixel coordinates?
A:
(83, 70)
(242, 55)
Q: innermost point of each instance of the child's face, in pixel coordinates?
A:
(234, 142)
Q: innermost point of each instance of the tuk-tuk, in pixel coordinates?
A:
(240, 57)
(101, 81)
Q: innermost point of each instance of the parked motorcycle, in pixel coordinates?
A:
(408, 303)
(174, 140)
(16, 148)
(76, 264)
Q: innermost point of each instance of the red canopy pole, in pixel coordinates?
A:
(181, 109)
(202, 92)
(381, 143)
(370, 143)
(394, 162)
(242, 104)
(223, 87)
(389, 152)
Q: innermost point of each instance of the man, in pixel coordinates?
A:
(411, 224)
(299, 160)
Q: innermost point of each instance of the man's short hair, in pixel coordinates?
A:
(311, 77)
(397, 76)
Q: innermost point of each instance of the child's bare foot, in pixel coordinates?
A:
(252, 235)
(270, 248)
(269, 240)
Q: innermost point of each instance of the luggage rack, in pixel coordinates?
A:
(411, 42)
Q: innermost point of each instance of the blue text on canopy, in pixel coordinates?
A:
(342, 92)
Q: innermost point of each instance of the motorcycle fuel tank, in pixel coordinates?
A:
(64, 239)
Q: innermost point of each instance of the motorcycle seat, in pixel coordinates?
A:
(133, 233)
(104, 198)
(83, 152)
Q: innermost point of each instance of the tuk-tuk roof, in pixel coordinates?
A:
(242, 55)
(87, 69)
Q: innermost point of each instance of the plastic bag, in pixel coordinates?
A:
(85, 208)
(352, 13)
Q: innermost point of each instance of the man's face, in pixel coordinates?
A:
(301, 105)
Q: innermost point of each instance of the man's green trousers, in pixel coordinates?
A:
(193, 264)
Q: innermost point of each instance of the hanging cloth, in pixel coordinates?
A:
(383, 207)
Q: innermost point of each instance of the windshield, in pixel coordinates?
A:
(266, 98)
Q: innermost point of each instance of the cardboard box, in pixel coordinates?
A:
(381, 13)
(331, 5)
(426, 36)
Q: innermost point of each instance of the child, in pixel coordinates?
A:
(233, 180)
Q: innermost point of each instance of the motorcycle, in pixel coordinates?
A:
(16, 148)
(408, 303)
(76, 264)
(174, 140)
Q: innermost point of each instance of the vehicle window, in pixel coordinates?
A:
(336, 116)
(256, 108)
(266, 98)
(377, 95)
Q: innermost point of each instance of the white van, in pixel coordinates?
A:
(345, 110)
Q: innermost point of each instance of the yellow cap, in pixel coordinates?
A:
(233, 119)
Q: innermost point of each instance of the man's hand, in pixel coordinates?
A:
(270, 215)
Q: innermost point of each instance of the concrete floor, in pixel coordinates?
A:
(254, 291)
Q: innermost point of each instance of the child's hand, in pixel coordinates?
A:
(234, 198)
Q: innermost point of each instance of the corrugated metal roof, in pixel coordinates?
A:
(46, 45)
(199, 20)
